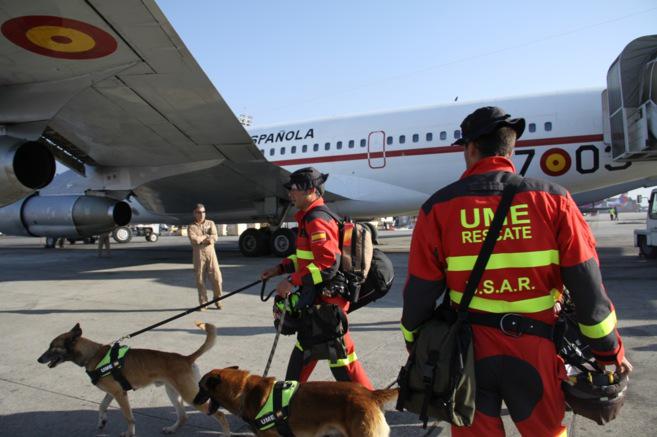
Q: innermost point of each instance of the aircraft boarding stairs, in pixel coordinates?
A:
(630, 102)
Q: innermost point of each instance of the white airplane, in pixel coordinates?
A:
(110, 89)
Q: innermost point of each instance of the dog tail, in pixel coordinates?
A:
(210, 338)
(382, 397)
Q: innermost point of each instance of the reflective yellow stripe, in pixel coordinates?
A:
(563, 433)
(344, 361)
(538, 258)
(532, 305)
(293, 258)
(409, 336)
(315, 273)
(298, 346)
(305, 254)
(601, 329)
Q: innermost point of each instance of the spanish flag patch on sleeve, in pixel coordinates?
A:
(318, 237)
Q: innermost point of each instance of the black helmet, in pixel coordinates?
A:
(596, 395)
(307, 178)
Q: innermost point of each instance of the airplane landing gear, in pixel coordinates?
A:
(283, 242)
(254, 242)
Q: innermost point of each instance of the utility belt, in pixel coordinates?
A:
(513, 325)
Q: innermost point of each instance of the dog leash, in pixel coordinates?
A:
(278, 334)
(184, 313)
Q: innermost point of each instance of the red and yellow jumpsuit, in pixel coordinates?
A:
(544, 244)
(316, 262)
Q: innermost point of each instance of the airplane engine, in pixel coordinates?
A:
(24, 168)
(64, 216)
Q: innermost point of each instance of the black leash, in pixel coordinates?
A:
(262, 291)
(191, 310)
(281, 321)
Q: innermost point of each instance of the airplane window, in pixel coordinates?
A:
(429, 136)
(457, 134)
(548, 126)
(304, 148)
(315, 147)
(338, 145)
(363, 143)
(293, 149)
(389, 140)
(271, 152)
(327, 146)
(402, 139)
(351, 144)
(532, 127)
(416, 138)
(282, 150)
(443, 135)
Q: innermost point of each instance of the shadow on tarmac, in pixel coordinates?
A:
(269, 329)
(149, 422)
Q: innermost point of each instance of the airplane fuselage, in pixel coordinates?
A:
(389, 163)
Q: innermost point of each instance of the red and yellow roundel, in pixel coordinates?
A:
(58, 37)
(555, 162)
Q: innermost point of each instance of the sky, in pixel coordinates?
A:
(290, 61)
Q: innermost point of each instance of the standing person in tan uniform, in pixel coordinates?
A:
(104, 244)
(203, 234)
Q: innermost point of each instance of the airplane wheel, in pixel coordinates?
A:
(122, 234)
(283, 242)
(50, 242)
(649, 252)
(252, 243)
(152, 237)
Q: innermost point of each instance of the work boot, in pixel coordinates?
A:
(218, 305)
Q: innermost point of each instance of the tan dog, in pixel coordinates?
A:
(318, 408)
(141, 367)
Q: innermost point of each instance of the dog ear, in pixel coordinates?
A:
(76, 331)
(212, 381)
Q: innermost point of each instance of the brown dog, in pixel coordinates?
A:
(318, 408)
(141, 367)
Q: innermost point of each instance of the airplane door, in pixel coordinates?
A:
(376, 149)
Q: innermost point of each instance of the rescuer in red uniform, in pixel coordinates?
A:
(311, 268)
(544, 244)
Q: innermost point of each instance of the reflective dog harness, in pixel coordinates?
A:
(277, 408)
(112, 363)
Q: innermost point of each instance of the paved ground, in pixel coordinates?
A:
(45, 292)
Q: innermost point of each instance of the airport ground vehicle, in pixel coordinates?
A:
(124, 234)
(646, 239)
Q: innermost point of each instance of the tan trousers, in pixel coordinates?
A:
(206, 265)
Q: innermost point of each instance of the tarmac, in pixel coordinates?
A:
(44, 292)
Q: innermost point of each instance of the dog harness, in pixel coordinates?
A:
(112, 363)
(277, 408)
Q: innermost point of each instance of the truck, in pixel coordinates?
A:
(646, 239)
